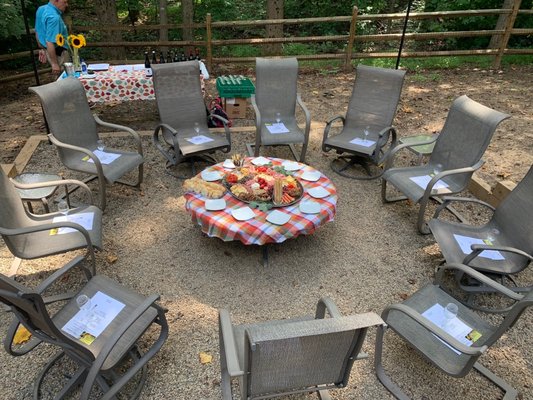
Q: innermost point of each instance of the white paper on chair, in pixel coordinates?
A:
(87, 325)
(456, 328)
(363, 142)
(84, 219)
(465, 242)
(104, 157)
(277, 128)
(423, 182)
(200, 139)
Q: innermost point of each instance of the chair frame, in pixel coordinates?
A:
(52, 225)
(231, 368)
(473, 351)
(254, 149)
(89, 372)
(380, 153)
(165, 134)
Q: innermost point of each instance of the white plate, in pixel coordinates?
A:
(318, 192)
(309, 207)
(211, 176)
(260, 161)
(87, 76)
(98, 67)
(215, 204)
(291, 165)
(311, 176)
(228, 164)
(278, 217)
(243, 213)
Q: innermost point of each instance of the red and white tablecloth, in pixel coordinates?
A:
(258, 230)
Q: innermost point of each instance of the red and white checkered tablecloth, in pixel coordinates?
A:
(258, 230)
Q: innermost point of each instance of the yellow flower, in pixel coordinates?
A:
(60, 40)
(77, 41)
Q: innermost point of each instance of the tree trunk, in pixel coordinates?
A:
(187, 13)
(163, 20)
(274, 11)
(106, 11)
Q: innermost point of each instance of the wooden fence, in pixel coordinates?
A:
(507, 16)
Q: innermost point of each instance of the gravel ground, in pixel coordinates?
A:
(369, 257)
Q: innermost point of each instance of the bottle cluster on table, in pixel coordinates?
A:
(170, 56)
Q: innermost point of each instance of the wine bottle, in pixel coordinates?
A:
(154, 59)
(197, 54)
(176, 56)
(191, 56)
(161, 58)
(146, 60)
(183, 58)
(169, 56)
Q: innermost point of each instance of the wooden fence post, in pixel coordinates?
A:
(351, 39)
(208, 42)
(511, 18)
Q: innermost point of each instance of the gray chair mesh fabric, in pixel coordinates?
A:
(514, 221)
(39, 243)
(276, 87)
(299, 355)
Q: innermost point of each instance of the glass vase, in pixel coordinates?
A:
(76, 60)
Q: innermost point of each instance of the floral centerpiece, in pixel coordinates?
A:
(76, 42)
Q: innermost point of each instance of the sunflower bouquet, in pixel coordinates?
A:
(75, 43)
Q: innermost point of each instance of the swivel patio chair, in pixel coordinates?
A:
(367, 136)
(278, 358)
(276, 98)
(74, 132)
(420, 321)
(105, 353)
(457, 154)
(29, 236)
(500, 248)
(183, 134)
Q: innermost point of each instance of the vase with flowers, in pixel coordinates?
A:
(76, 42)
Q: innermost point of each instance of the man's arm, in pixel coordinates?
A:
(51, 50)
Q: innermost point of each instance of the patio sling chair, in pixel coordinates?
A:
(278, 358)
(367, 135)
(422, 322)
(183, 119)
(501, 248)
(101, 341)
(74, 132)
(457, 154)
(274, 104)
(30, 236)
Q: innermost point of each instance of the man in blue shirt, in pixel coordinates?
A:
(48, 24)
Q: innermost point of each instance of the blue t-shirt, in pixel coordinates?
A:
(48, 23)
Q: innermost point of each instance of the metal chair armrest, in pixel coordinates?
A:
(97, 163)
(436, 330)
(446, 200)
(135, 135)
(228, 340)
(325, 303)
(225, 123)
(78, 260)
(403, 146)
(61, 182)
(307, 114)
(477, 249)
(479, 277)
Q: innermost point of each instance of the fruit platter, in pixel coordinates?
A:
(264, 184)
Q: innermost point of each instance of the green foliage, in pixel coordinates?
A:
(11, 22)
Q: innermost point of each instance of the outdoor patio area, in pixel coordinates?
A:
(369, 257)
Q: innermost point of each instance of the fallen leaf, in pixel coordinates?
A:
(111, 258)
(205, 358)
(22, 335)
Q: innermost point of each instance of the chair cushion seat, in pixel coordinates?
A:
(444, 234)
(43, 243)
(295, 134)
(127, 162)
(188, 149)
(427, 343)
(130, 299)
(342, 143)
(400, 178)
